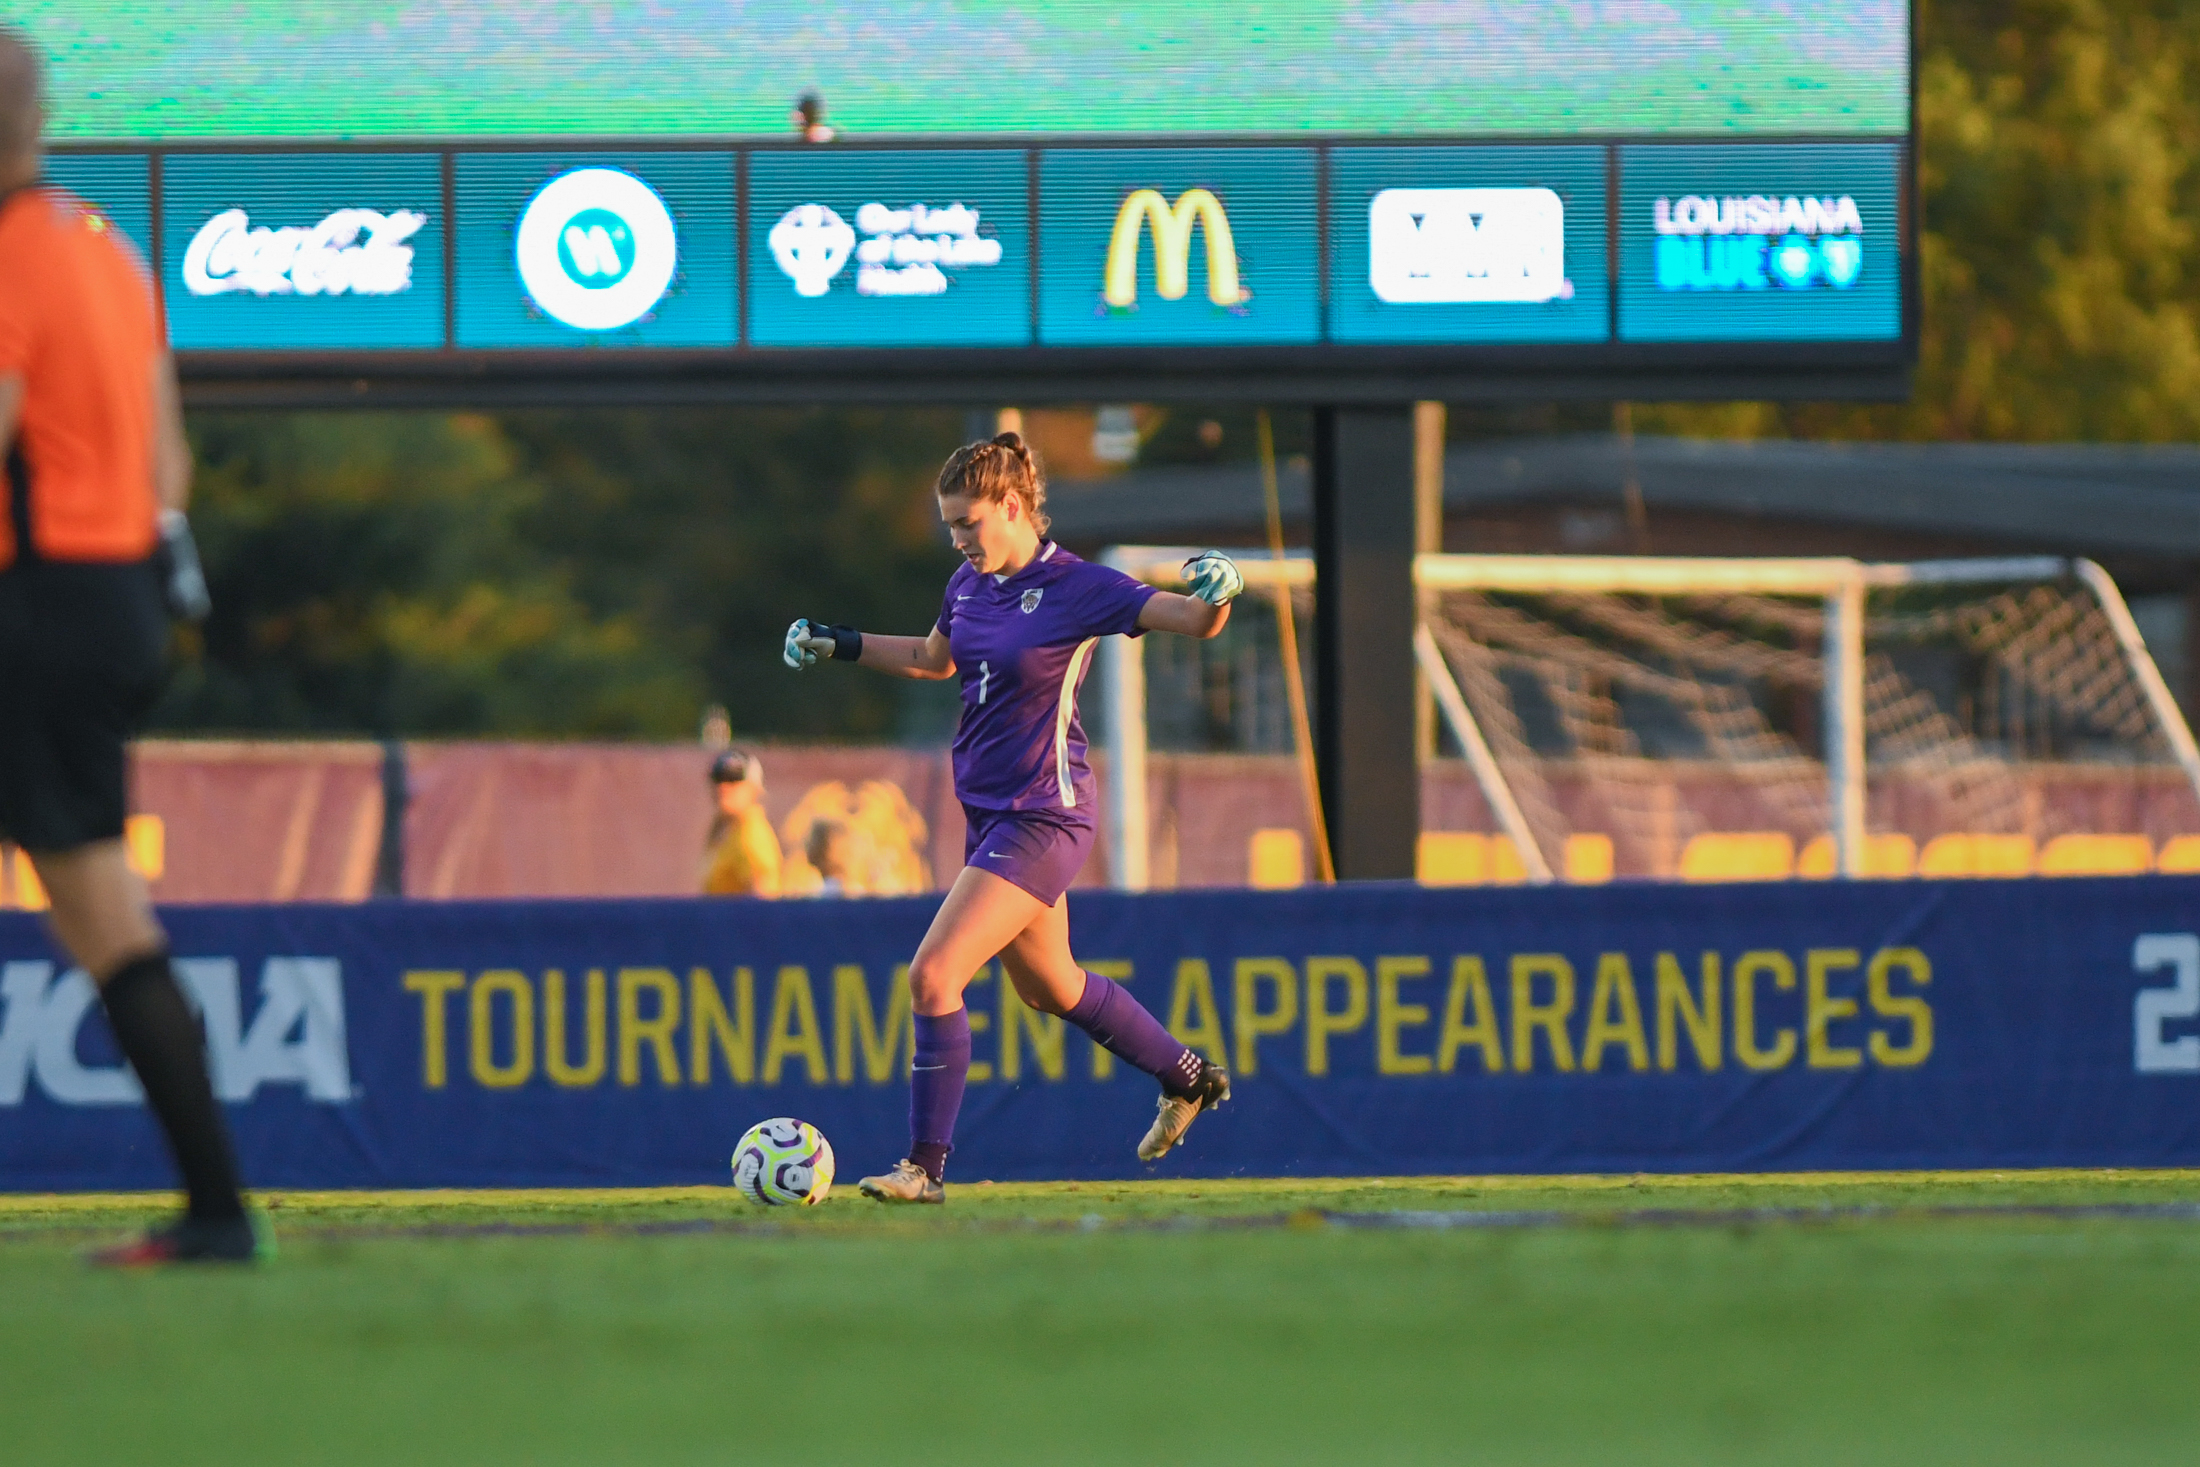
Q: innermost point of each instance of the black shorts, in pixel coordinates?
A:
(83, 652)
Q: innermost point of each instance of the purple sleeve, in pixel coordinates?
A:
(1113, 601)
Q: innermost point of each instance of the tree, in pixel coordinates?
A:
(2059, 170)
(371, 576)
(579, 574)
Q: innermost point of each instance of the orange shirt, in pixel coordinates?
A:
(78, 325)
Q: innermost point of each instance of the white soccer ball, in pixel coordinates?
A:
(783, 1161)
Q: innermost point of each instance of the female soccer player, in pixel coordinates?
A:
(1018, 623)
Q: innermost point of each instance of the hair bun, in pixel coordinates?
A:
(1012, 441)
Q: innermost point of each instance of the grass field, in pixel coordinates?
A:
(1917, 1319)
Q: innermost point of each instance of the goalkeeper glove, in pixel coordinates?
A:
(1214, 577)
(808, 640)
(182, 578)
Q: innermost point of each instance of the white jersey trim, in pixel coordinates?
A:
(1062, 713)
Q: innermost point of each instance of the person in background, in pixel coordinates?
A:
(743, 854)
(831, 849)
(809, 119)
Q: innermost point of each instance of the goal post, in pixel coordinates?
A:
(1123, 693)
(1943, 680)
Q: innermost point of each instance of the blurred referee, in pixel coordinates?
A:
(92, 543)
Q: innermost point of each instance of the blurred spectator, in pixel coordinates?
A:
(832, 854)
(886, 839)
(743, 857)
(809, 119)
(717, 730)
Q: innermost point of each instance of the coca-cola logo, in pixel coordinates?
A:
(352, 251)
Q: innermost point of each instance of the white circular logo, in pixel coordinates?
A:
(811, 243)
(597, 248)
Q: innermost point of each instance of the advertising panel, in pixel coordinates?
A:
(1178, 246)
(601, 249)
(1369, 1029)
(259, 69)
(296, 251)
(889, 249)
(1467, 244)
(1795, 242)
(119, 185)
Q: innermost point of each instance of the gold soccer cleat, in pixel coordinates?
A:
(1177, 1112)
(907, 1182)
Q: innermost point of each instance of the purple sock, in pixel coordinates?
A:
(938, 1070)
(1120, 1023)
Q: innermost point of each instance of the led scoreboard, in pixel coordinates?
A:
(1317, 201)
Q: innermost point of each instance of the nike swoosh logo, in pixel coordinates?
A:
(993, 855)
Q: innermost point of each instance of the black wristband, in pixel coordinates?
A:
(847, 644)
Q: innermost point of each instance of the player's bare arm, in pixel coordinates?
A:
(171, 450)
(924, 658)
(11, 407)
(1187, 616)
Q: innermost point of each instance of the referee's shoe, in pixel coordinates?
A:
(245, 1239)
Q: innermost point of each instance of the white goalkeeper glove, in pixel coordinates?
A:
(182, 578)
(1214, 577)
(807, 641)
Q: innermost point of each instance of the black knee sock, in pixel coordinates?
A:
(161, 1038)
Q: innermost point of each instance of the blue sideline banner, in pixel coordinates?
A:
(1371, 1030)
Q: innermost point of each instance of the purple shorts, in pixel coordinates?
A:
(1040, 851)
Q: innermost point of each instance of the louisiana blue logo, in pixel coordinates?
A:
(1759, 242)
(596, 249)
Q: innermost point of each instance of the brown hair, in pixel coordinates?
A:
(993, 469)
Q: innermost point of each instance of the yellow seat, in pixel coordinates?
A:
(145, 839)
(1467, 858)
(1884, 856)
(1744, 855)
(29, 893)
(2179, 854)
(2097, 855)
(1962, 854)
(1276, 859)
(1588, 858)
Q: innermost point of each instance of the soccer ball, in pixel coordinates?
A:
(782, 1161)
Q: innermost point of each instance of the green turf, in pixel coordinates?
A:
(1009, 1328)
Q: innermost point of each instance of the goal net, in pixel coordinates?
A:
(1637, 717)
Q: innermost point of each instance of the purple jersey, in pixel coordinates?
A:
(1022, 645)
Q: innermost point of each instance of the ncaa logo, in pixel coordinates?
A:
(597, 249)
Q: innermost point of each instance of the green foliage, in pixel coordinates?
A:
(2060, 175)
(575, 574)
(715, 528)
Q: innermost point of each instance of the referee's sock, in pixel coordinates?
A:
(161, 1038)
(1123, 1025)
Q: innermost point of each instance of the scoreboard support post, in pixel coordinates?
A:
(1364, 616)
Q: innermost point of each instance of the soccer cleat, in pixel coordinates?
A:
(1177, 1112)
(245, 1239)
(907, 1182)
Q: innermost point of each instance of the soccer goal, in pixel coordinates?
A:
(1733, 719)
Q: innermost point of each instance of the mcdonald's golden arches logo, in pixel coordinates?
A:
(1172, 248)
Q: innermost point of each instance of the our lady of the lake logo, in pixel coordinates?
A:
(597, 249)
